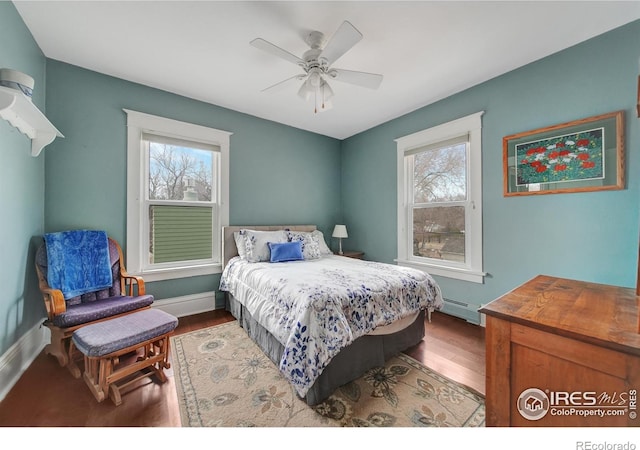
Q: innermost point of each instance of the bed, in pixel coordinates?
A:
(323, 319)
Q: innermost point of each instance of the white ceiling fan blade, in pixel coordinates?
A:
(346, 37)
(364, 79)
(275, 50)
(284, 82)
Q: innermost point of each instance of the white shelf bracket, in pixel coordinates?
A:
(20, 112)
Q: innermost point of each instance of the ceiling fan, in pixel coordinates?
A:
(317, 64)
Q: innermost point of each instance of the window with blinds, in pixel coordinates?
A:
(177, 197)
(439, 175)
(180, 233)
(181, 199)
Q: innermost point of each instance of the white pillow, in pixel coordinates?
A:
(322, 245)
(240, 243)
(310, 248)
(256, 247)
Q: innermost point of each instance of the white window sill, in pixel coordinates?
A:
(151, 275)
(443, 271)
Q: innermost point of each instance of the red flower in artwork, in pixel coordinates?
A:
(553, 155)
(541, 169)
(536, 163)
(582, 142)
(560, 144)
(564, 152)
(560, 167)
(588, 165)
(524, 161)
(533, 150)
(583, 156)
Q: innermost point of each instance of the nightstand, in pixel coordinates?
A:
(352, 254)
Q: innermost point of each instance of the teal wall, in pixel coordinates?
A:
(281, 174)
(21, 191)
(586, 236)
(278, 174)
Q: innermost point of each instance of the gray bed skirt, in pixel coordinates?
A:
(363, 354)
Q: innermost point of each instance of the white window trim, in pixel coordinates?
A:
(472, 270)
(137, 123)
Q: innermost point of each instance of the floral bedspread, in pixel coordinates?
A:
(315, 308)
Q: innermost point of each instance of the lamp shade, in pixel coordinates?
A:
(340, 231)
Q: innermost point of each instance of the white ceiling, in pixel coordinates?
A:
(426, 50)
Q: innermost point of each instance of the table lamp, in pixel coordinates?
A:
(340, 232)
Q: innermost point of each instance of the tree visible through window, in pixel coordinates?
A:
(176, 172)
(439, 193)
(181, 207)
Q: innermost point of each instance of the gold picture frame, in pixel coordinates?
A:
(578, 156)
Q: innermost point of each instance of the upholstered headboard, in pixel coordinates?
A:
(229, 249)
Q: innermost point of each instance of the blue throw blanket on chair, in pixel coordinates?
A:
(78, 261)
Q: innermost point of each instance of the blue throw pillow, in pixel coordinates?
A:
(285, 251)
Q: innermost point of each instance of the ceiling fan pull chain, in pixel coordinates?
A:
(315, 101)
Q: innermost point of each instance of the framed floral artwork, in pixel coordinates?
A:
(578, 156)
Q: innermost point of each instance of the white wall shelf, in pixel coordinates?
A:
(19, 111)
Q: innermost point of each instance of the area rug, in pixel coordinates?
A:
(223, 379)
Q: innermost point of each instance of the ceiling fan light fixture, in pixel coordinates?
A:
(323, 95)
(325, 90)
(315, 78)
(306, 90)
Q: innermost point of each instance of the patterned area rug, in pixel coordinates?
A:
(223, 379)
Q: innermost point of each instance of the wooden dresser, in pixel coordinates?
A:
(563, 353)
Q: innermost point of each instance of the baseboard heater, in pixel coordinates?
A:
(188, 304)
(463, 310)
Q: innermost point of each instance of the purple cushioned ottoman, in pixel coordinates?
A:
(106, 337)
(103, 343)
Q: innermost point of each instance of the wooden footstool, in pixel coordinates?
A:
(102, 344)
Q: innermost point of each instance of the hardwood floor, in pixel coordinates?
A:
(48, 396)
(454, 348)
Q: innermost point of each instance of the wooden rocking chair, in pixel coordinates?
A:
(124, 296)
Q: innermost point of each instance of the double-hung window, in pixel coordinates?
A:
(440, 199)
(177, 197)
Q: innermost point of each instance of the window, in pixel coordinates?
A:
(177, 197)
(440, 199)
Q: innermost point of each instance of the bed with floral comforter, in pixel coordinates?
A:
(316, 308)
